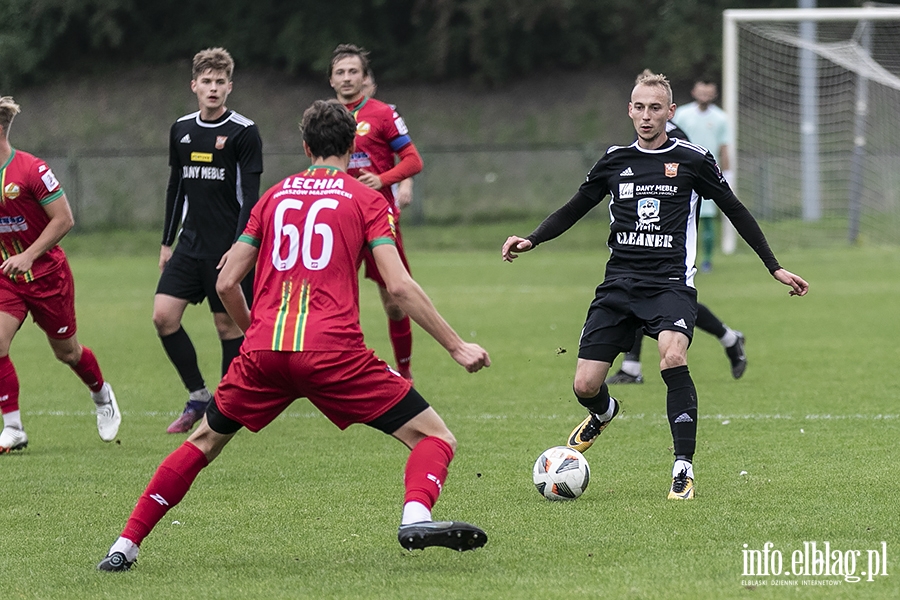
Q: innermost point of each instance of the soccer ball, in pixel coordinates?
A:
(561, 473)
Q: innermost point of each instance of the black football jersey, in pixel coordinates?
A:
(653, 210)
(210, 158)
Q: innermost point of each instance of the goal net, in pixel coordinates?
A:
(813, 96)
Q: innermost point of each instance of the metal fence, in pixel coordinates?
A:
(125, 189)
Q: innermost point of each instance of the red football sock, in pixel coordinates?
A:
(401, 340)
(167, 488)
(426, 471)
(9, 386)
(89, 370)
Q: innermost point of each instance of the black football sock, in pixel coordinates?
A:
(709, 322)
(681, 406)
(599, 404)
(180, 349)
(230, 351)
(635, 353)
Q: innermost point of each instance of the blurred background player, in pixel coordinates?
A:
(215, 157)
(36, 278)
(402, 190)
(706, 125)
(303, 339)
(381, 134)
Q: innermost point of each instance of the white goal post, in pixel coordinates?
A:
(813, 101)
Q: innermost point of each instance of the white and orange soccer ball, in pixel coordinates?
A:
(561, 473)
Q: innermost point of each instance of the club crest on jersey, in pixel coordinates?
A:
(11, 191)
(672, 169)
(363, 128)
(220, 142)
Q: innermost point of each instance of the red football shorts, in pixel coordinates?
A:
(369, 260)
(347, 387)
(50, 300)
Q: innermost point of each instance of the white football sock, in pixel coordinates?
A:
(101, 398)
(201, 394)
(609, 411)
(683, 465)
(415, 512)
(632, 367)
(126, 547)
(13, 419)
(729, 339)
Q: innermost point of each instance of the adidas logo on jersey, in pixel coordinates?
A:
(680, 323)
(186, 139)
(684, 418)
(627, 173)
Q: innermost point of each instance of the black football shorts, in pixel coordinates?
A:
(622, 306)
(194, 279)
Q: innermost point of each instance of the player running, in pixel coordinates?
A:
(36, 278)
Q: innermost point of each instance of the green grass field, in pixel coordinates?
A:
(802, 449)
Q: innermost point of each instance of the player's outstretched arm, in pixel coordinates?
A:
(237, 263)
(514, 246)
(416, 303)
(798, 286)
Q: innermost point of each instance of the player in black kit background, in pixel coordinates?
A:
(215, 157)
(649, 279)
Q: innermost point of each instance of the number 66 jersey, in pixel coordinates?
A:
(311, 229)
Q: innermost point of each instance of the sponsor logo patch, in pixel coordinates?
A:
(648, 211)
(201, 157)
(626, 190)
(363, 128)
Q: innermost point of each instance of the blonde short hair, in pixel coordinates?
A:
(8, 111)
(212, 59)
(651, 79)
